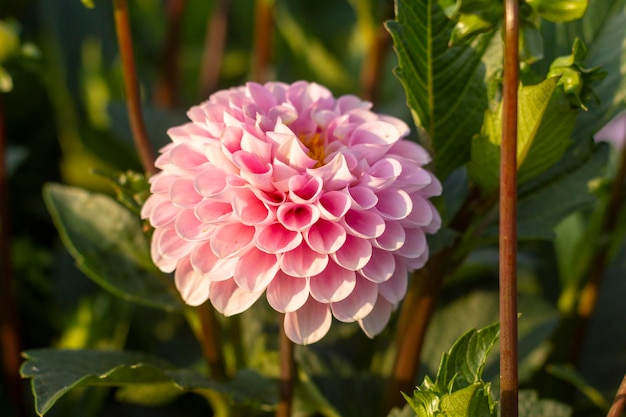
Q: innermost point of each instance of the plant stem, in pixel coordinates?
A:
(373, 66)
(287, 374)
(589, 293)
(263, 38)
(211, 341)
(214, 49)
(9, 322)
(620, 400)
(417, 309)
(131, 86)
(167, 89)
(508, 216)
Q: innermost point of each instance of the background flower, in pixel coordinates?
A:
(281, 189)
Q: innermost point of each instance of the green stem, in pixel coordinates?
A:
(287, 374)
(620, 400)
(214, 49)
(508, 216)
(263, 38)
(131, 86)
(168, 86)
(9, 321)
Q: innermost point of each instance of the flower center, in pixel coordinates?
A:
(315, 144)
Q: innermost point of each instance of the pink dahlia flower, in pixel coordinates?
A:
(287, 191)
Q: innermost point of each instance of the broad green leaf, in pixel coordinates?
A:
(108, 245)
(471, 401)
(531, 406)
(424, 403)
(55, 372)
(559, 10)
(444, 85)
(545, 125)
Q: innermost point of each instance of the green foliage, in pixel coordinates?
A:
(531, 406)
(55, 372)
(131, 188)
(108, 244)
(559, 10)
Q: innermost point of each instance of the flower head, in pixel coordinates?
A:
(287, 191)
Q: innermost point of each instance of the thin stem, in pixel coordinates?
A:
(417, 309)
(508, 216)
(211, 341)
(589, 293)
(372, 69)
(131, 86)
(9, 322)
(167, 90)
(263, 37)
(620, 400)
(214, 49)
(287, 375)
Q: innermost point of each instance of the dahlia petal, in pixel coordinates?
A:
(392, 238)
(162, 213)
(420, 261)
(229, 299)
(255, 270)
(381, 266)
(304, 189)
(410, 150)
(435, 224)
(183, 193)
(210, 182)
(261, 95)
(358, 304)
(255, 145)
(211, 211)
(354, 254)
(394, 204)
(375, 322)
(302, 262)
(333, 284)
(422, 213)
(231, 239)
(395, 287)
(309, 323)
(213, 268)
(363, 197)
(364, 224)
(253, 170)
(187, 156)
(189, 227)
(382, 174)
(274, 238)
(193, 287)
(297, 217)
(164, 264)
(333, 205)
(295, 154)
(170, 245)
(249, 209)
(325, 237)
(373, 139)
(335, 173)
(285, 293)
(161, 183)
(434, 188)
(414, 244)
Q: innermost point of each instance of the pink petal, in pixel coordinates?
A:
(293, 153)
(162, 213)
(382, 174)
(333, 205)
(297, 217)
(253, 170)
(187, 156)
(213, 268)
(414, 245)
(231, 239)
(392, 238)
(375, 322)
(286, 294)
(411, 150)
(309, 323)
(358, 304)
(249, 209)
(380, 267)
(364, 224)
(335, 174)
(170, 245)
(274, 238)
(255, 270)
(164, 264)
(354, 254)
(302, 262)
(363, 197)
(334, 284)
(229, 299)
(260, 95)
(304, 189)
(183, 194)
(189, 227)
(613, 132)
(210, 211)
(193, 287)
(422, 213)
(325, 237)
(394, 204)
(394, 289)
(210, 182)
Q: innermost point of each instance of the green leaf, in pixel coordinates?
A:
(131, 188)
(531, 406)
(444, 85)
(559, 10)
(88, 3)
(407, 411)
(569, 374)
(109, 246)
(471, 401)
(55, 372)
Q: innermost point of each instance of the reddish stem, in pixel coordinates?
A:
(131, 86)
(210, 341)
(287, 374)
(372, 69)
(167, 90)
(620, 400)
(508, 216)
(9, 321)
(214, 49)
(263, 38)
